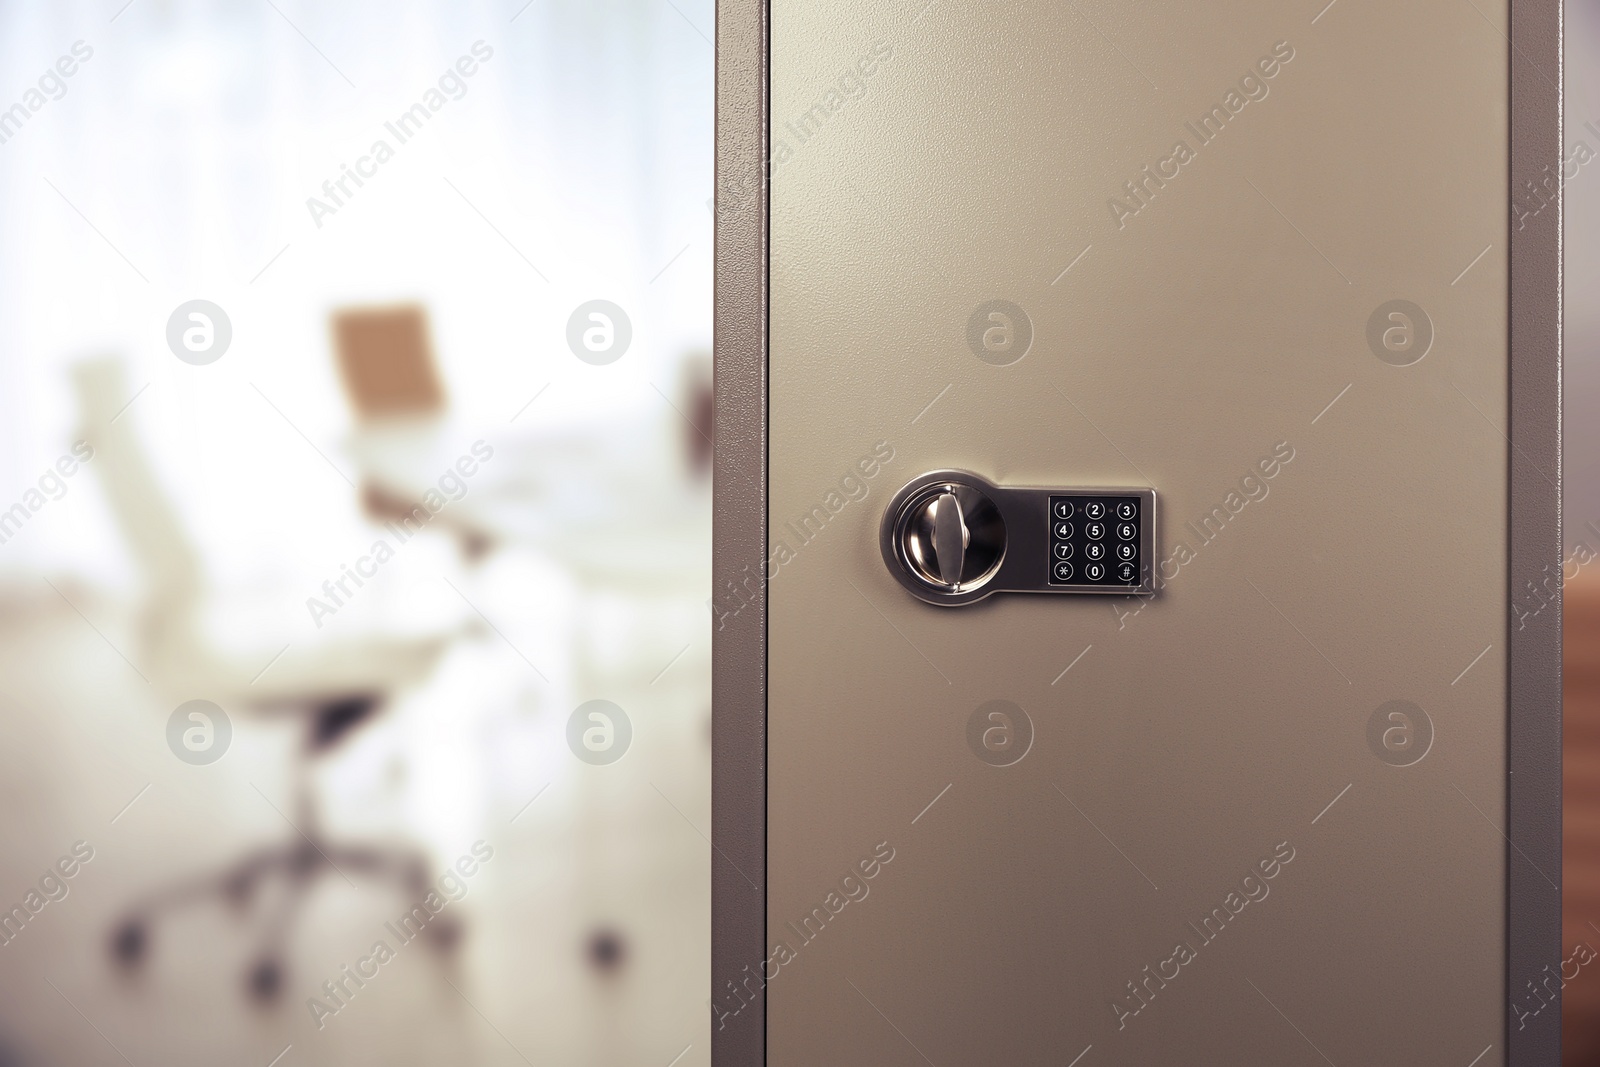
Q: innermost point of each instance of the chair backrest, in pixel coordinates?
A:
(140, 505)
(386, 362)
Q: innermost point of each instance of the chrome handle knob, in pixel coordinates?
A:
(950, 537)
(947, 537)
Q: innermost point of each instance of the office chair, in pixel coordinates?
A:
(333, 688)
(384, 356)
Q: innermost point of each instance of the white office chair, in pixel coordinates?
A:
(333, 687)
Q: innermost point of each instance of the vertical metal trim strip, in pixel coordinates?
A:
(738, 601)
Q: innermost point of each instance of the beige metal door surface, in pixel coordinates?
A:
(1251, 257)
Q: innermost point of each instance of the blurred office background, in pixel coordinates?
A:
(1581, 489)
(399, 758)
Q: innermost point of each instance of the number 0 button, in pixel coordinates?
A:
(1095, 571)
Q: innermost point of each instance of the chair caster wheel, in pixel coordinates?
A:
(265, 980)
(607, 950)
(129, 942)
(444, 934)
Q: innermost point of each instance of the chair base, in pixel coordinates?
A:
(297, 864)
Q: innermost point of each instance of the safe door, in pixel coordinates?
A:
(1134, 534)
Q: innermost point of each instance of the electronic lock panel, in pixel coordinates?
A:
(952, 538)
(1122, 570)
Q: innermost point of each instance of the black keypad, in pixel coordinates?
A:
(1106, 541)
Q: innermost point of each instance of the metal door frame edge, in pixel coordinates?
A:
(739, 539)
(1534, 542)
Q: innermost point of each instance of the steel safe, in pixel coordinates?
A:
(1137, 549)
